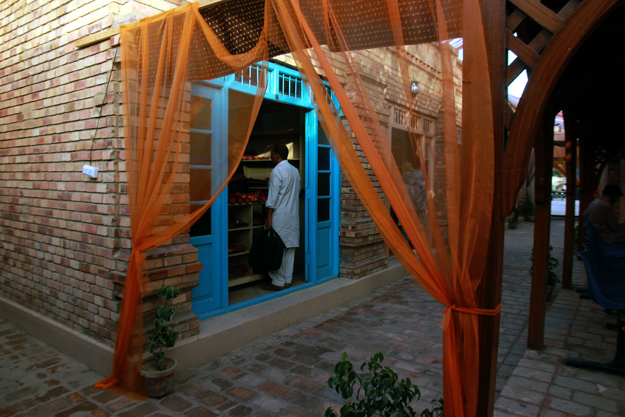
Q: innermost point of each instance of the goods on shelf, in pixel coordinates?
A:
(236, 223)
(258, 196)
(255, 158)
(237, 271)
(234, 246)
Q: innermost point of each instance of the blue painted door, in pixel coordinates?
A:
(322, 208)
(208, 138)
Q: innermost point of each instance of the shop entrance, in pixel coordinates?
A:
(224, 234)
(277, 123)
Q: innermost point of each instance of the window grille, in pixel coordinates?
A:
(329, 95)
(252, 76)
(428, 156)
(399, 117)
(414, 122)
(427, 126)
(289, 86)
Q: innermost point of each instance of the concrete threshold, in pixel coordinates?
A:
(218, 335)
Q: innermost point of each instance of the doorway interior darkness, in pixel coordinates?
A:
(277, 123)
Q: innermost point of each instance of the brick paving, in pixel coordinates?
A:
(286, 374)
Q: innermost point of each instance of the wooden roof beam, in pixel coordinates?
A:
(509, 115)
(521, 49)
(97, 37)
(543, 80)
(514, 20)
(544, 36)
(540, 13)
(514, 70)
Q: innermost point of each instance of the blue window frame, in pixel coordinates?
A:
(322, 188)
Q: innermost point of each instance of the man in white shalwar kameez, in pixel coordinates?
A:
(283, 214)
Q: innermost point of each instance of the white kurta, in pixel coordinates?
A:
(284, 188)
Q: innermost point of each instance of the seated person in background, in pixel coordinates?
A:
(602, 216)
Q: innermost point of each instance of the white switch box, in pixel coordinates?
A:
(90, 171)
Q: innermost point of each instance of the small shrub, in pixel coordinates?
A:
(164, 337)
(552, 277)
(378, 393)
(436, 411)
(528, 208)
(515, 217)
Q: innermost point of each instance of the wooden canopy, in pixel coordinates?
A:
(568, 49)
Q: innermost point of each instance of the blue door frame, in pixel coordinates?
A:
(210, 297)
(322, 203)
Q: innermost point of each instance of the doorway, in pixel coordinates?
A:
(277, 123)
(224, 235)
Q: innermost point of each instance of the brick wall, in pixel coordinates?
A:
(64, 238)
(363, 250)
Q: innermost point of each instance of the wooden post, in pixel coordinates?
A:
(571, 185)
(489, 291)
(587, 179)
(544, 164)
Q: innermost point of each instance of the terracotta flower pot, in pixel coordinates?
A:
(157, 382)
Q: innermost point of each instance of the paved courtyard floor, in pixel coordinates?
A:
(286, 374)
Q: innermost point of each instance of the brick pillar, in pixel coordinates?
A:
(362, 246)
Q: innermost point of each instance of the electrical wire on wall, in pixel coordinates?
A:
(90, 170)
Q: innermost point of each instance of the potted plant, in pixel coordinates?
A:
(529, 210)
(514, 220)
(552, 277)
(157, 370)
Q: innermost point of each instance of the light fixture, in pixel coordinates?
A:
(414, 88)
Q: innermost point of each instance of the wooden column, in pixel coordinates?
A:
(544, 163)
(587, 179)
(489, 291)
(571, 177)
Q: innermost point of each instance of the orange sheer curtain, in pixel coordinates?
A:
(161, 56)
(450, 276)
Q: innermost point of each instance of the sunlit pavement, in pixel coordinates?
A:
(286, 374)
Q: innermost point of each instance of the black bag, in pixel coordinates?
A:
(266, 252)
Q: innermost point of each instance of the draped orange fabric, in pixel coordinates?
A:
(162, 56)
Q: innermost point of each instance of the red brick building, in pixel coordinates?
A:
(64, 238)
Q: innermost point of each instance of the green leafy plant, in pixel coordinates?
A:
(379, 392)
(528, 208)
(514, 219)
(164, 337)
(436, 411)
(552, 277)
